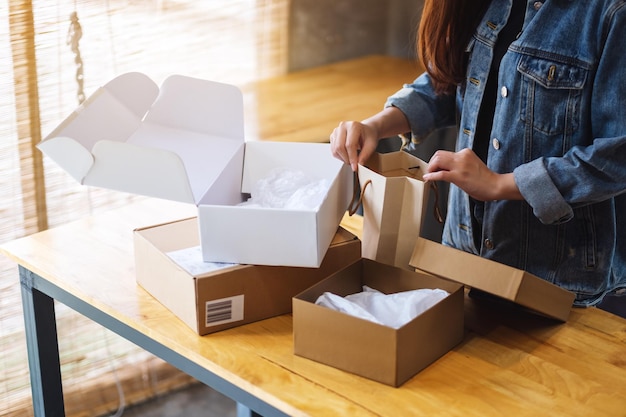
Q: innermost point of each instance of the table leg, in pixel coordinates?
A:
(43, 348)
(38, 297)
(243, 411)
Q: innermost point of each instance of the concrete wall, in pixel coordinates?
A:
(324, 31)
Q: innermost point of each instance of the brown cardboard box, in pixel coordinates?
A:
(391, 356)
(492, 277)
(221, 296)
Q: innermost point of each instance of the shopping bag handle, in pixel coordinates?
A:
(352, 208)
(436, 207)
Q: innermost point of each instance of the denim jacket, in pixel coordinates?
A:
(560, 127)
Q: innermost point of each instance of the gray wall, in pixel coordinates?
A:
(325, 31)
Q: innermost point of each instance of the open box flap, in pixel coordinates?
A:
(109, 113)
(139, 170)
(509, 283)
(69, 154)
(201, 106)
(173, 143)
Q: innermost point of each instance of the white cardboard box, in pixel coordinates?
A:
(185, 142)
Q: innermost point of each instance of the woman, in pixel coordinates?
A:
(538, 92)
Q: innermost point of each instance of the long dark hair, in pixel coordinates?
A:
(444, 31)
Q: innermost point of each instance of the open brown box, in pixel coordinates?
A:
(229, 295)
(378, 352)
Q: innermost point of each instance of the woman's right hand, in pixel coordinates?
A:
(353, 142)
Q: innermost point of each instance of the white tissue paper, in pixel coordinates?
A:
(289, 189)
(190, 259)
(392, 310)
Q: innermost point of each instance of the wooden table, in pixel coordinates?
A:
(509, 363)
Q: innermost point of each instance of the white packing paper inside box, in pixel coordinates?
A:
(185, 141)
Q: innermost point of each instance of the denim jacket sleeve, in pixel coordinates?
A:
(593, 167)
(425, 111)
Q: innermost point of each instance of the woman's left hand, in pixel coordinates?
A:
(468, 172)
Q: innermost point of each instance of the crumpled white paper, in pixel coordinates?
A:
(392, 310)
(289, 189)
(190, 259)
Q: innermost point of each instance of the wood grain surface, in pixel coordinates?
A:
(509, 361)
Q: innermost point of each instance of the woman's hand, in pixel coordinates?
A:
(353, 142)
(468, 172)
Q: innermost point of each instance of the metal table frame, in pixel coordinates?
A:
(38, 297)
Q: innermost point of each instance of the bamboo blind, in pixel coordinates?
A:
(46, 66)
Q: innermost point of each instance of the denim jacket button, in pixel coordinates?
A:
(488, 244)
(504, 91)
(537, 5)
(495, 143)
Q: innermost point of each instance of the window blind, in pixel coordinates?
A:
(48, 65)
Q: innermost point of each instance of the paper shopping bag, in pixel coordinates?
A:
(394, 198)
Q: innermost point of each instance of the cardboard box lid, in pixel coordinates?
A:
(181, 142)
(492, 277)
